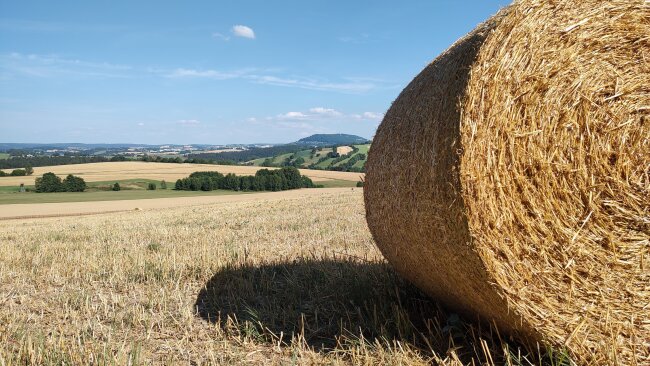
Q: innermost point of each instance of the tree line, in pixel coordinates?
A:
(18, 172)
(34, 161)
(50, 182)
(263, 180)
(249, 154)
(179, 160)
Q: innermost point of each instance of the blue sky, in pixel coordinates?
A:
(214, 72)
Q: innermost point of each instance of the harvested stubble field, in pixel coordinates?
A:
(291, 281)
(343, 149)
(99, 172)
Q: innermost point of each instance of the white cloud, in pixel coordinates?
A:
(188, 122)
(140, 124)
(372, 115)
(325, 111)
(292, 115)
(243, 31)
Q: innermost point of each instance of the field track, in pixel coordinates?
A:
(36, 210)
(101, 172)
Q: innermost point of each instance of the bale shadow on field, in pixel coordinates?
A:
(329, 303)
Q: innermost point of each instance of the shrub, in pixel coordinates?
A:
(29, 170)
(307, 182)
(18, 172)
(163, 184)
(74, 184)
(49, 182)
(151, 187)
(359, 184)
(116, 187)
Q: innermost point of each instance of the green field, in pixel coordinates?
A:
(337, 183)
(29, 197)
(132, 189)
(4, 156)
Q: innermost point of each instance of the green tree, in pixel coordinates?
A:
(193, 184)
(206, 184)
(307, 182)
(74, 184)
(231, 182)
(29, 170)
(49, 182)
(292, 178)
(299, 162)
(116, 187)
(18, 172)
(151, 187)
(273, 182)
(246, 183)
(163, 184)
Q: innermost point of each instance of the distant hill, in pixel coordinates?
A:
(348, 158)
(332, 139)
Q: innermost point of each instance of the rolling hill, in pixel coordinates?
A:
(313, 152)
(321, 158)
(332, 139)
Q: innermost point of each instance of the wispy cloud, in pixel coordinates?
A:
(318, 114)
(58, 66)
(371, 116)
(55, 65)
(357, 39)
(188, 122)
(317, 120)
(350, 87)
(302, 128)
(220, 36)
(208, 74)
(243, 31)
(21, 25)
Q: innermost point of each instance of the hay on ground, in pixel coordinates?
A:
(511, 177)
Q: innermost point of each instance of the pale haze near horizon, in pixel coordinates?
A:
(210, 73)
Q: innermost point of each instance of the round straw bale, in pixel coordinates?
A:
(511, 178)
